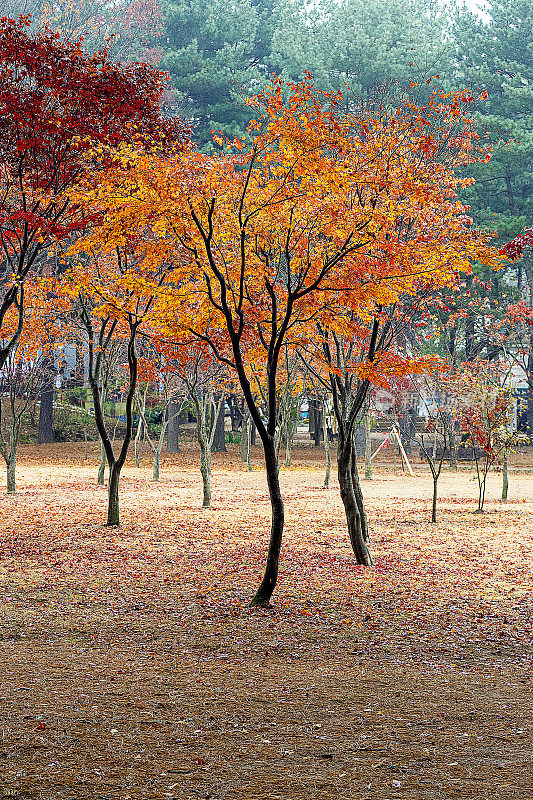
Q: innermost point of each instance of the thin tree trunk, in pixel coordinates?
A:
(358, 492)
(173, 428)
(288, 447)
(204, 459)
(115, 464)
(277, 440)
(482, 495)
(206, 483)
(318, 423)
(505, 483)
(112, 494)
(434, 503)
(206, 477)
(11, 465)
(246, 441)
(202, 404)
(157, 450)
(235, 413)
(244, 437)
(328, 452)
(101, 468)
(453, 447)
(250, 430)
(138, 442)
(219, 439)
(268, 584)
(481, 484)
(46, 410)
(356, 523)
(311, 417)
(368, 445)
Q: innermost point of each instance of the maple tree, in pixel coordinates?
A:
(28, 366)
(104, 297)
(354, 360)
(199, 378)
(481, 396)
(437, 437)
(320, 217)
(208, 411)
(158, 382)
(56, 105)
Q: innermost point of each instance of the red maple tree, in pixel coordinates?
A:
(57, 105)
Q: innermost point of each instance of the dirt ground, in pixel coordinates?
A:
(131, 666)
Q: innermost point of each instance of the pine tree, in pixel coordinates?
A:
(217, 54)
(493, 52)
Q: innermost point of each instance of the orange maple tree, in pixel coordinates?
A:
(107, 300)
(31, 363)
(317, 217)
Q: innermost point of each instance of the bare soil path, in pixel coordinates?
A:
(131, 667)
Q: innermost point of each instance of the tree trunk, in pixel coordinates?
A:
(505, 483)
(203, 405)
(244, 438)
(46, 412)
(288, 447)
(236, 413)
(368, 445)
(79, 369)
(219, 441)
(434, 503)
(205, 466)
(481, 479)
(359, 500)
(11, 465)
(452, 443)
(348, 478)
(311, 417)
(481, 502)
(138, 442)
(155, 470)
(328, 452)
(115, 464)
(317, 427)
(268, 584)
(112, 497)
(101, 468)
(250, 430)
(206, 482)
(173, 428)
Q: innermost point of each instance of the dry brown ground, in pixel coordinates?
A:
(132, 668)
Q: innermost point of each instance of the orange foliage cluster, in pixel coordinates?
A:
(325, 215)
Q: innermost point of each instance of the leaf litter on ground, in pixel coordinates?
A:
(133, 667)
